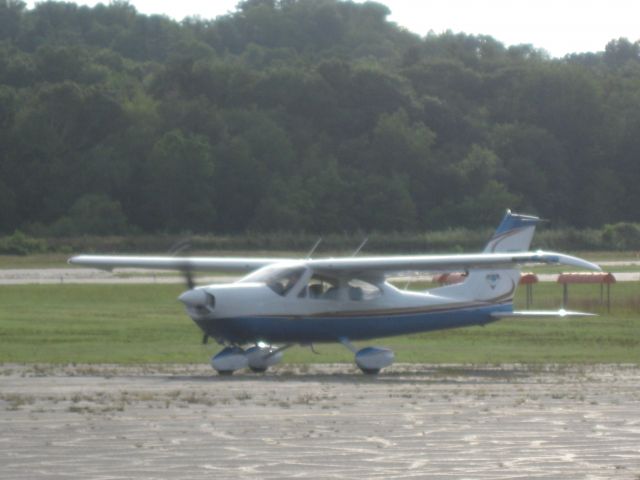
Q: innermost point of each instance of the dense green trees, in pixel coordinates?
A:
(309, 115)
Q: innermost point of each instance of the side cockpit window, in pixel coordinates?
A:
(321, 287)
(285, 280)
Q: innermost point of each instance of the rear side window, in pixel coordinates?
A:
(361, 290)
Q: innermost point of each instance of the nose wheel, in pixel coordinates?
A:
(229, 359)
(258, 358)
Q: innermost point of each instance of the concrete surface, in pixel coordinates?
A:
(321, 421)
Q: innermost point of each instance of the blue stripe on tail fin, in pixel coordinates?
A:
(514, 233)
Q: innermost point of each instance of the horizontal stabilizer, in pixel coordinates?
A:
(541, 314)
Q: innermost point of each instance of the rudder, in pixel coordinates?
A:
(514, 234)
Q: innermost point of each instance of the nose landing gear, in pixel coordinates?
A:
(229, 359)
(258, 358)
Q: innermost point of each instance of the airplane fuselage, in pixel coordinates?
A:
(297, 318)
(304, 330)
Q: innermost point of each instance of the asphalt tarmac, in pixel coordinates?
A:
(321, 421)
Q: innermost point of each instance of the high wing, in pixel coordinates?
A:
(384, 266)
(218, 264)
(365, 266)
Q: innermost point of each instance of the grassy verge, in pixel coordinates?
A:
(41, 260)
(145, 323)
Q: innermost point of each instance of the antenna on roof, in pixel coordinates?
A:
(364, 242)
(313, 249)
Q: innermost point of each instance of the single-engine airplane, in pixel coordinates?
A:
(292, 302)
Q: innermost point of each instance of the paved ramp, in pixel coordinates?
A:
(415, 421)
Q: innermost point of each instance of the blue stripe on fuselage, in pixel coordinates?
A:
(330, 329)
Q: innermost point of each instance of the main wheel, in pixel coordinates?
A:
(372, 359)
(370, 371)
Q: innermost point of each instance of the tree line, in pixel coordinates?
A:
(302, 115)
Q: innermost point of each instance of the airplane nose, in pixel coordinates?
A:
(197, 298)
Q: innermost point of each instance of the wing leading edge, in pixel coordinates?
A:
(376, 266)
(230, 264)
(425, 263)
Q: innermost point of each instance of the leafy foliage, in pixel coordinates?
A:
(623, 235)
(302, 115)
(20, 244)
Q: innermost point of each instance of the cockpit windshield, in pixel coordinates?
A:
(279, 279)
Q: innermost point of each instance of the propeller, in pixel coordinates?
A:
(194, 298)
(187, 271)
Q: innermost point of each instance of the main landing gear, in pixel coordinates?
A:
(370, 359)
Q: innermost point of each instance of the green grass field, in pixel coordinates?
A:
(145, 323)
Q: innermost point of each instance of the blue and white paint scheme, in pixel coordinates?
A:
(290, 302)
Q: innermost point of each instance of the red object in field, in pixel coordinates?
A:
(528, 278)
(598, 278)
(587, 277)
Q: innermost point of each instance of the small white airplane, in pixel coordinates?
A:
(302, 302)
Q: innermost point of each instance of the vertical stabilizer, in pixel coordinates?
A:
(514, 234)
